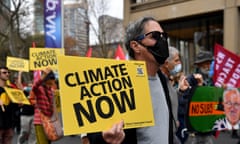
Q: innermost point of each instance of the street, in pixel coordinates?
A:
(224, 138)
(64, 140)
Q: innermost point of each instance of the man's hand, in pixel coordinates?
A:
(45, 72)
(115, 135)
(199, 79)
(183, 83)
(85, 140)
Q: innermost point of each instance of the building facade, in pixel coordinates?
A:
(111, 28)
(31, 17)
(192, 25)
(110, 35)
(76, 28)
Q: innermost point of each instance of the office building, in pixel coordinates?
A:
(76, 28)
(192, 25)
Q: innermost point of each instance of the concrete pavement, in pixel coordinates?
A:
(223, 138)
(64, 140)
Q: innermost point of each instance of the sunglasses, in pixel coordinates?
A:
(154, 34)
(5, 72)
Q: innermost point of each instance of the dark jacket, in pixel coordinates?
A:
(184, 102)
(27, 110)
(9, 115)
(185, 97)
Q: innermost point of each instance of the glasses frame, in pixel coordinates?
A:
(155, 35)
(230, 104)
(5, 72)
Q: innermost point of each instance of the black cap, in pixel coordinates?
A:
(203, 56)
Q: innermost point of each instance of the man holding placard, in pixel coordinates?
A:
(7, 110)
(146, 41)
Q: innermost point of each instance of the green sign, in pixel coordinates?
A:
(206, 108)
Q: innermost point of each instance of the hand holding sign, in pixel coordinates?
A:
(41, 58)
(17, 96)
(199, 79)
(99, 92)
(115, 135)
(18, 64)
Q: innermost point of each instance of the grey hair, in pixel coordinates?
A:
(172, 52)
(133, 30)
(236, 91)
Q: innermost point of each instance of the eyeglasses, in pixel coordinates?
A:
(230, 104)
(155, 34)
(5, 72)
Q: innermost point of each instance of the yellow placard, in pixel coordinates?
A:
(18, 64)
(96, 93)
(16, 96)
(41, 58)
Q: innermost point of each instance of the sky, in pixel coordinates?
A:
(116, 8)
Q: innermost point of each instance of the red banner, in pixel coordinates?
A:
(226, 67)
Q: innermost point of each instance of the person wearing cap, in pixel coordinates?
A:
(41, 97)
(203, 63)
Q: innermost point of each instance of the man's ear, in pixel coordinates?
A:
(135, 46)
(166, 63)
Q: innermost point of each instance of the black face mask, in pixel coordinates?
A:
(159, 50)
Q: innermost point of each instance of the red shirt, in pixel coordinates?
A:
(44, 97)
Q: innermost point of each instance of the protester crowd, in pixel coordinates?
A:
(170, 91)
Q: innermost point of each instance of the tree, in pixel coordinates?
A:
(105, 29)
(12, 36)
(69, 45)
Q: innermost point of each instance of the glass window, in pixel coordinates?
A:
(192, 34)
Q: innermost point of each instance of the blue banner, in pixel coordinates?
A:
(52, 23)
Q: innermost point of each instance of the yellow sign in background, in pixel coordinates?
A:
(41, 58)
(16, 96)
(96, 93)
(18, 64)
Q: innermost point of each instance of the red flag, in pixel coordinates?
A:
(226, 67)
(89, 52)
(36, 75)
(33, 44)
(119, 54)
